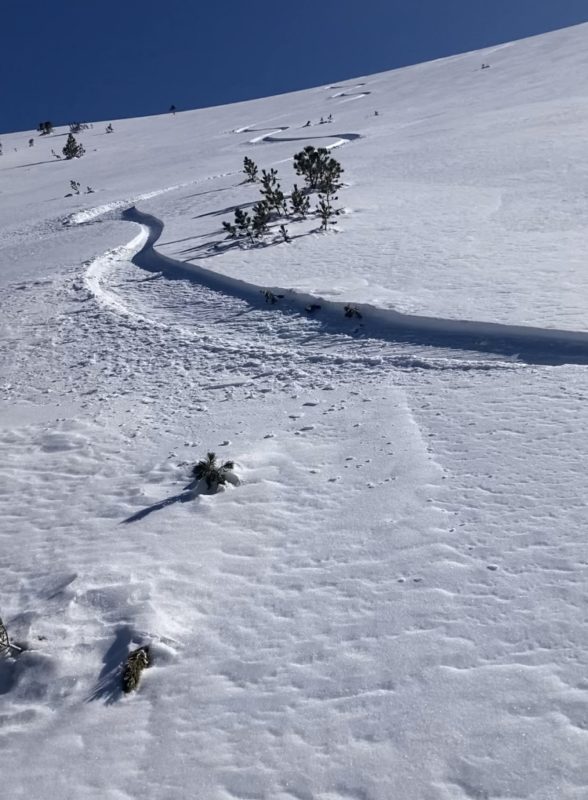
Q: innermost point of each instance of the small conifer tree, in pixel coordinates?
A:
(299, 203)
(270, 297)
(5, 644)
(325, 210)
(231, 230)
(272, 191)
(136, 662)
(250, 169)
(261, 218)
(242, 226)
(72, 149)
(212, 472)
(351, 312)
(320, 170)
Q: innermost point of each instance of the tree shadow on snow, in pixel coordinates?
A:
(109, 686)
(190, 492)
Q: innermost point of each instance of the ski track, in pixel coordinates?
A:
(314, 652)
(92, 214)
(374, 333)
(347, 96)
(270, 137)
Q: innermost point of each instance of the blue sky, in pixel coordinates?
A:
(67, 61)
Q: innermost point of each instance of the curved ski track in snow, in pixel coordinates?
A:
(525, 345)
(270, 137)
(347, 96)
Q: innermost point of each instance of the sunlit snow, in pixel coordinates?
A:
(391, 605)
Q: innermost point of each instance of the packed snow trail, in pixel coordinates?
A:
(526, 344)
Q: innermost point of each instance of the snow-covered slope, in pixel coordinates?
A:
(391, 603)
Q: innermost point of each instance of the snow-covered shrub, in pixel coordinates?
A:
(4, 640)
(72, 149)
(211, 471)
(136, 662)
(5, 645)
(351, 312)
(270, 297)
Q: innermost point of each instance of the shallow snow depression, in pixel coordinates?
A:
(391, 602)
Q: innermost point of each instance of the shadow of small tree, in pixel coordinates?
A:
(208, 477)
(191, 491)
(109, 686)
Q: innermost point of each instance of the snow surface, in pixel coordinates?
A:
(391, 604)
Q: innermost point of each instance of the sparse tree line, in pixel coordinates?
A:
(72, 148)
(322, 176)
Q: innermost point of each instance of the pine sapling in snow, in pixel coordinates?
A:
(351, 312)
(270, 297)
(326, 212)
(250, 169)
(299, 203)
(242, 226)
(261, 218)
(5, 646)
(272, 191)
(330, 179)
(136, 662)
(319, 169)
(72, 149)
(211, 471)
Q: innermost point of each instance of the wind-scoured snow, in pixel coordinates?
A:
(391, 602)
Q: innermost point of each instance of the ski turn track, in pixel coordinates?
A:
(238, 310)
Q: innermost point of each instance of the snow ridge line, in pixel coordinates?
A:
(522, 344)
